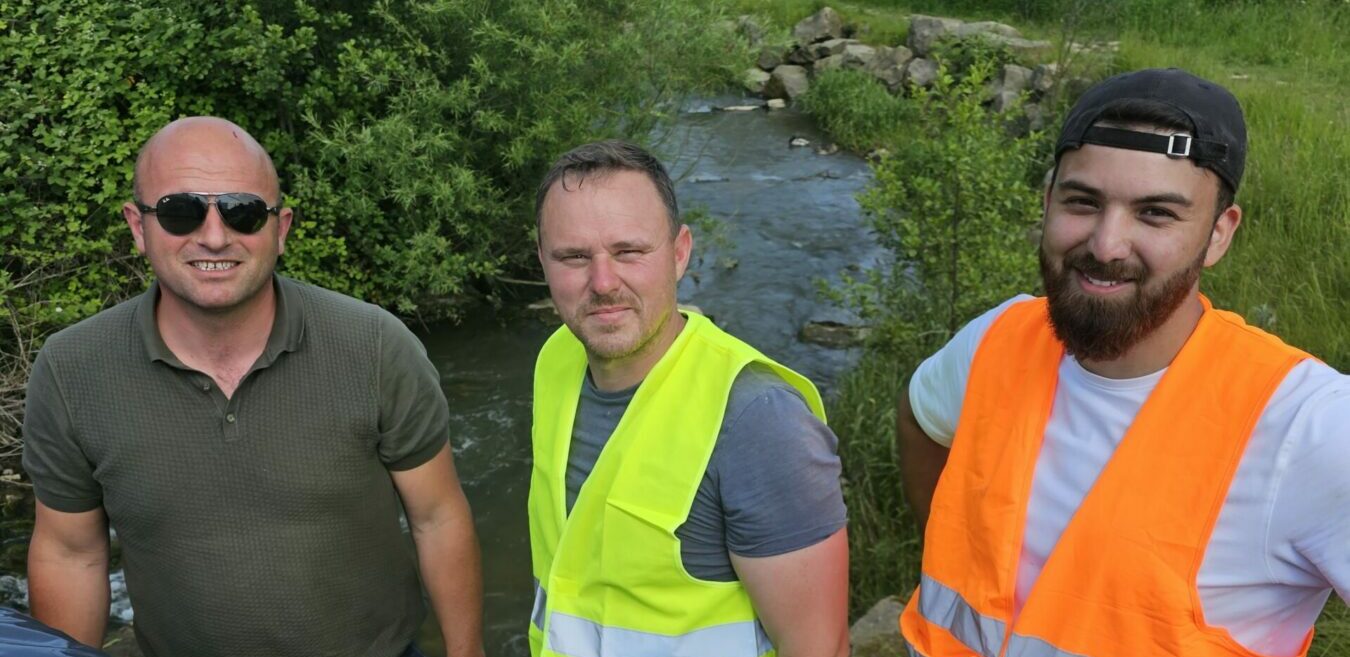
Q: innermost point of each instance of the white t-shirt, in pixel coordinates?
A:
(1282, 540)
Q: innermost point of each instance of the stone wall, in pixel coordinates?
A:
(823, 42)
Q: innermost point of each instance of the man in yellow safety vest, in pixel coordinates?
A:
(685, 495)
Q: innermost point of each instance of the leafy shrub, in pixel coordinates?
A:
(957, 209)
(857, 111)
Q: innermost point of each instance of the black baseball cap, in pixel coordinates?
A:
(1217, 140)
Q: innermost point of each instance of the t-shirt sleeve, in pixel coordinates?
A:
(63, 477)
(938, 386)
(778, 476)
(414, 416)
(1309, 508)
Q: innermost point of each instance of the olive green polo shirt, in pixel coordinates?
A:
(261, 524)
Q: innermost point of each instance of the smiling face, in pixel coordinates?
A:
(214, 269)
(612, 264)
(1126, 236)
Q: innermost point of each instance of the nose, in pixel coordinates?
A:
(1110, 238)
(213, 234)
(604, 280)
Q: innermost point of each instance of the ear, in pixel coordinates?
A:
(284, 218)
(1222, 234)
(136, 221)
(684, 246)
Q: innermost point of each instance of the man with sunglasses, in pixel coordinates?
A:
(249, 438)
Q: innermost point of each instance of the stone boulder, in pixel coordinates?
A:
(859, 55)
(830, 47)
(1023, 50)
(748, 28)
(1008, 86)
(1044, 77)
(824, 24)
(833, 334)
(889, 66)
(800, 55)
(921, 72)
(787, 81)
(986, 27)
(1015, 78)
(924, 31)
(877, 633)
(831, 63)
(754, 80)
(771, 57)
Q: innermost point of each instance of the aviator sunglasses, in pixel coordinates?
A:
(184, 212)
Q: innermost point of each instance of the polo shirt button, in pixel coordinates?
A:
(229, 417)
(206, 387)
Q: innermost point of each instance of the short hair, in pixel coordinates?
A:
(600, 158)
(1148, 113)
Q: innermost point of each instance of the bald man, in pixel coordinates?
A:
(249, 438)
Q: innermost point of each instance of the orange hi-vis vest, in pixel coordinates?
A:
(1121, 580)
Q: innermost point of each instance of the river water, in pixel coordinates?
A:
(788, 217)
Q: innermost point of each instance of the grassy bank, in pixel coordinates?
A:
(1289, 64)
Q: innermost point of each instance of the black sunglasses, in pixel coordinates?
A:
(184, 212)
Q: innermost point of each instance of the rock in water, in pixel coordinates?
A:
(834, 334)
(787, 81)
(754, 80)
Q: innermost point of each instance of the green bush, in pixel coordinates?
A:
(857, 112)
(957, 210)
(409, 135)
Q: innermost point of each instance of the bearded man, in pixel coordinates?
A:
(1119, 468)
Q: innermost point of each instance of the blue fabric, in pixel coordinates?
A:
(23, 636)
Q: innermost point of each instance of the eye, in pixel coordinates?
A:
(1080, 203)
(628, 254)
(575, 258)
(1157, 214)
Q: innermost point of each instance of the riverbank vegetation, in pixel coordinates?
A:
(1289, 64)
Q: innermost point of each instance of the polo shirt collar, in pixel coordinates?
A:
(288, 326)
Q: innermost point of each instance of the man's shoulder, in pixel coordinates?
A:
(102, 335)
(757, 381)
(332, 303)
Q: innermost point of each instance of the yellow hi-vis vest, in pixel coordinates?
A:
(609, 579)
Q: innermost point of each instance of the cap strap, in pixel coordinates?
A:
(1180, 145)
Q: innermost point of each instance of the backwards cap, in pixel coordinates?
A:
(1217, 139)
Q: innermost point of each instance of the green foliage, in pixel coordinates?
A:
(957, 210)
(857, 111)
(959, 55)
(884, 541)
(955, 201)
(409, 135)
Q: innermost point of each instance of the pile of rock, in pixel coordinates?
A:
(822, 42)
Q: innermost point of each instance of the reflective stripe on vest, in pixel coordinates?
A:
(578, 637)
(946, 608)
(1120, 581)
(609, 581)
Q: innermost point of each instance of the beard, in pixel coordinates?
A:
(1103, 329)
(620, 341)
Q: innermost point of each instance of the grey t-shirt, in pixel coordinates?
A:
(772, 484)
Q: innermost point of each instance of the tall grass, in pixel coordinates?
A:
(1288, 270)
